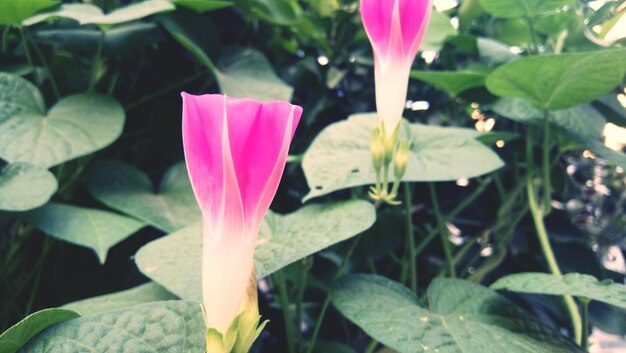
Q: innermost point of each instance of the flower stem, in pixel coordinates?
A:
(93, 79)
(326, 303)
(442, 230)
(279, 278)
(547, 189)
(584, 340)
(537, 215)
(53, 84)
(409, 235)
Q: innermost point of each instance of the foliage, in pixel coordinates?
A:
(509, 169)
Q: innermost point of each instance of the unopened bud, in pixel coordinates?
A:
(390, 145)
(401, 158)
(377, 146)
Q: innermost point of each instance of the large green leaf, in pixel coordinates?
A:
(145, 293)
(247, 73)
(582, 124)
(123, 187)
(91, 14)
(77, 125)
(575, 284)
(493, 52)
(25, 186)
(522, 8)
(91, 228)
(560, 81)
(438, 30)
(203, 5)
(451, 82)
(175, 260)
(19, 334)
(13, 12)
(340, 156)
(463, 318)
(171, 326)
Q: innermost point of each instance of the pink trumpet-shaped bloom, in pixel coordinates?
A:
(236, 150)
(395, 29)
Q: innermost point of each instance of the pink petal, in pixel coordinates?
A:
(260, 134)
(203, 119)
(377, 19)
(414, 16)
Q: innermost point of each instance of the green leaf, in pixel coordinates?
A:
(13, 12)
(521, 8)
(91, 14)
(175, 260)
(340, 156)
(124, 40)
(145, 293)
(582, 124)
(77, 125)
(575, 284)
(494, 52)
(25, 186)
(438, 30)
(464, 317)
(247, 73)
(195, 33)
(451, 82)
(560, 81)
(281, 12)
(171, 326)
(126, 189)
(91, 228)
(19, 334)
(202, 6)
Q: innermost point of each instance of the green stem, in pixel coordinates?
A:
(371, 347)
(53, 84)
(584, 340)
(408, 204)
(26, 49)
(547, 189)
(542, 234)
(533, 36)
(306, 266)
(442, 230)
(326, 303)
(93, 80)
(284, 304)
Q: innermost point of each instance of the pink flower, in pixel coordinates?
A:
(235, 151)
(395, 29)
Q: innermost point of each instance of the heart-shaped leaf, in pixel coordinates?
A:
(91, 14)
(340, 156)
(94, 229)
(25, 186)
(17, 335)
(451, 82)
(171, 326)
(127, 189)
(560, 81)
(463, 318)
(582, 124)
(576, 284)
(14, 12)
(247, 73)
(175, 261)
(145, 293)
(521, 8)
(77, 125)
(438, 30)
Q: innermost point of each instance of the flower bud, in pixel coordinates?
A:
(377, 147)
(401, 158)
